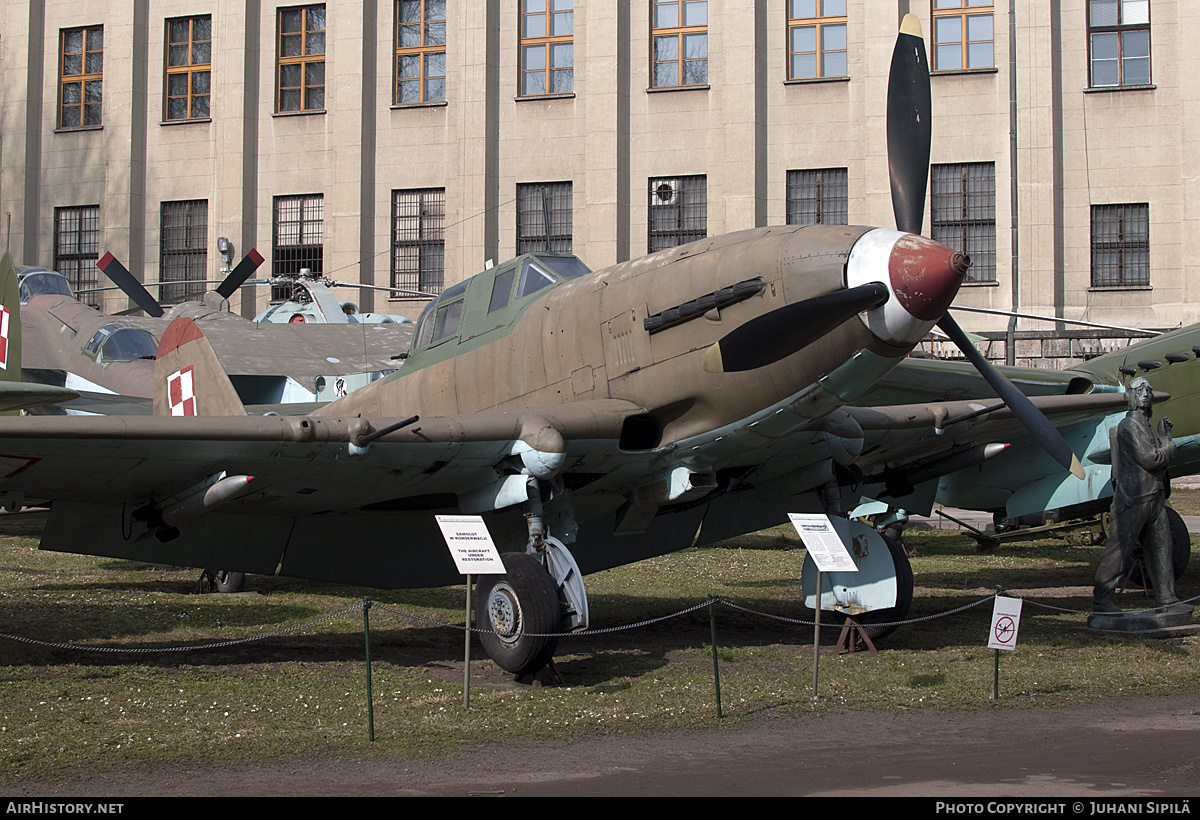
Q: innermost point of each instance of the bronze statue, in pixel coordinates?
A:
(1140, 457)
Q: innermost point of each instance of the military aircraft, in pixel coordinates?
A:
(310, 299)
(592, 418)
(74, 346)
(309, 296)
(1021, 482)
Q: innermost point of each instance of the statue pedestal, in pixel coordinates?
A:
(1164, 622)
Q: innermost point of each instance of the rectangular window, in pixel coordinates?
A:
(680, 42)
(77, 249)
(544, 221)
(1121, 245)
(299, 235)
(816, 39)
(81, 77)
(301, 59)
(183, 250)
(1119, 41)
(817, 197)
(420, 51)
(419, 240)
(189, 68)
(678, 211)
(547, 47)
(963, 35)
(963, 207)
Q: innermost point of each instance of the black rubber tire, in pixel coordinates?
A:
(904, 594)
(225, 581)
(1181, 549)
(524, 600)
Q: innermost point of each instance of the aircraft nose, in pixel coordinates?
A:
(922, 275)
(925, 275)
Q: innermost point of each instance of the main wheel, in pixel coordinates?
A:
(1181, 548)
(521, 610)
(225, 581)
(904, 593)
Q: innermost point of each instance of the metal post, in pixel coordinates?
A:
(996, 678)
(367, 642)
(816, 634)
(467, 650)
(712, 624)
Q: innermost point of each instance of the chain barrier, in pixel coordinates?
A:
(831, 624)
(1033, 602)
(588, 632)
(479, 630)
(217, 645)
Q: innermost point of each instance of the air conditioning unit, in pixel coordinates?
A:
(665, 192)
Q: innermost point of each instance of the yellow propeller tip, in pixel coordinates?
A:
(911, 25)
(1076, 467)
(712, 360)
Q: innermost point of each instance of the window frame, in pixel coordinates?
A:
(680, 233)
(304, 60)
(84, 78)
(556, 200)
(425, 54)
(819, 23)
(1122, 245)
(547, 43)
(963, 11)
(288, 259)
(191, 70)
(679, 33)
(184, 256)
(78, 263)
(1120, 29)
(839, 197)
(956, 232)
(429, 242)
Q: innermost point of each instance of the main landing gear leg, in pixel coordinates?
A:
(540, 596)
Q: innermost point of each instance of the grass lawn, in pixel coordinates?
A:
(302, 693)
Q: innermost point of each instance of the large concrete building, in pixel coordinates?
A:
(406, 142)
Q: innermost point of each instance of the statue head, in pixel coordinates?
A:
(1139, 395)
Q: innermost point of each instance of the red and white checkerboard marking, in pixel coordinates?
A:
(5, 316)
(181, 392)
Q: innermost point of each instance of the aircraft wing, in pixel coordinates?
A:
(305, 465)
(22, 395)
(318, 505)
(938, 380)
(312, 349)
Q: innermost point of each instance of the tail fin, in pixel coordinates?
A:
(16, 395)
(10, 321)
(188, 377)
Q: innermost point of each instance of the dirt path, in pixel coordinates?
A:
(1141, 747)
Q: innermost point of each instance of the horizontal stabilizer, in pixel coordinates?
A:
(20, 395)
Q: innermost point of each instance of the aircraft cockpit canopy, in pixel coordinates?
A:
(35, 281)
(508, 286)
(113, 343)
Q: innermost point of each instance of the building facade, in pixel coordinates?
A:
(406, 142)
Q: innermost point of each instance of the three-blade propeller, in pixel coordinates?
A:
(784, 331)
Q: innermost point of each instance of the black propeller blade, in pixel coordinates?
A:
(135, 290)
(909, 135)
(780, 333)
(908, 126)
(238, 276)
(1030, 417)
